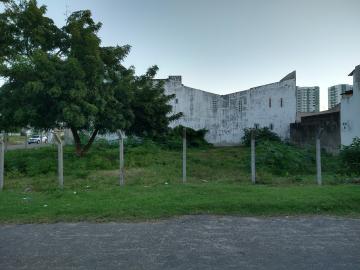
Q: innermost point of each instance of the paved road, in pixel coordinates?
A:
(192, 242)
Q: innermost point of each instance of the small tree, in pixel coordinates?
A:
(63, 78)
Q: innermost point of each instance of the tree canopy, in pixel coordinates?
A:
(64, 78)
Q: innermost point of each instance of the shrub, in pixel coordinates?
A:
(261, 134)
(31, 162)
(283, 159)
(173, 139)
(350, 157)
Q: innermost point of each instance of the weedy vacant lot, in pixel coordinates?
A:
(218, 183)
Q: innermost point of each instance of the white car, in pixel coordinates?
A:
(37, 139)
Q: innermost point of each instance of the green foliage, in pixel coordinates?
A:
(350, 157)
(43, 161)
(159, 162)
(63, 77)
(284, 159)
(173, 138)
(218, 183)
(101, 204)
(151, 107)
(260, 134)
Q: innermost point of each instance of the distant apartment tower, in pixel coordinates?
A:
(307, 99)
(334, 94)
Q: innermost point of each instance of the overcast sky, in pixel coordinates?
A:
(224, 46)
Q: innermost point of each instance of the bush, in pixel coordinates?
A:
(31, 162)
(350, 157)
(261, 134)
(283, 159)
(173, 139)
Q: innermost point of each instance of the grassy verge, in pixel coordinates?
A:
(16, 139)
(143, 202)
(218, 183)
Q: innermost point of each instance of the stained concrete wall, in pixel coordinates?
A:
(225, 116)
(350, 111)
(304, 131)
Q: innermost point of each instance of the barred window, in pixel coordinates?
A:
(214, 104)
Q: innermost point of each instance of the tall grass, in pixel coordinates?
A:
(152, 163)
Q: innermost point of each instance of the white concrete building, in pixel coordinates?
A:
(334, 94)
(350, 110)
(307, 99)
(225, 116)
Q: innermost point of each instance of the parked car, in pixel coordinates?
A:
(37, 139)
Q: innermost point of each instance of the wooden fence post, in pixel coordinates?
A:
(184, 156)
(2, 159)
(60, 160)
(253, 166)
(121, 135)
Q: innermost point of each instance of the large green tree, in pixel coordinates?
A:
(63, 78)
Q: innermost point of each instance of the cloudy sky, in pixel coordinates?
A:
(224, 46)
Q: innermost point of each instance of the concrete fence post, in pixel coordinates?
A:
(6, 141)
(60, 160)
(121, 135)
(318, 158)
(318, 162)
(253, 166)
(26, 140)
(184, 156)
(2, 160)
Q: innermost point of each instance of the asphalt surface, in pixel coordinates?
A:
(191, 242)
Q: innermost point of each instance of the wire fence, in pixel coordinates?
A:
(121, 135)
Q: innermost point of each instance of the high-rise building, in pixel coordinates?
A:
(307, 99)
(334, 94)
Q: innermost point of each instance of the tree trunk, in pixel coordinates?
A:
(80, 149)
(90, 142)
(77, 141)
